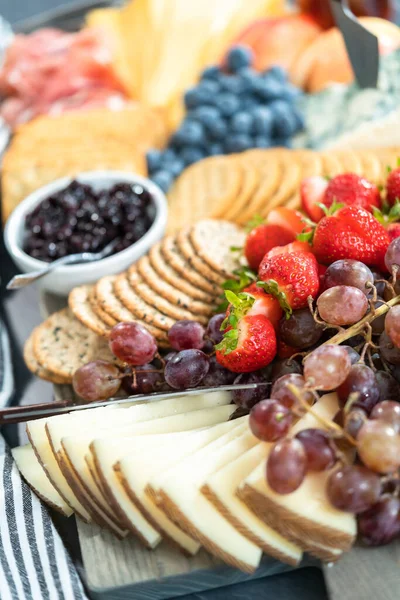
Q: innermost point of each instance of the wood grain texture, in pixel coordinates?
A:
(124, 569)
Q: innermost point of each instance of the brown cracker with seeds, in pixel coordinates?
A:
(37, 369)
(213, 241)
(186, 248)
(62, 344)
(78, 302)
(102, 314)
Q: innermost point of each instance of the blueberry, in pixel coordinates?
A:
(263, 121)
(238, 142)
(215, 149)
(233, 84)
(190, 132)
(269, 89)
(278, 72)
(197, 96)
(300, 119)
(153, 160)
(227, 103)
(209, 87)
(250, 77)
(163, 179)
(285, 121)
(290, 92)
(281, 142)
(248, 101)
(206, 115)
(167, 157)
(212, 72)
(261, 141)
(190, 155)
(217, 130)
(176, 167)
(238, 57)
(241, 122)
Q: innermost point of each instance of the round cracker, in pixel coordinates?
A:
(270, 174)
(250, 182)
(331, 164)
(371, 166)
(185, 246)
(62, 344)
(290, 182)
(204, 187)
(166, 272)
(139, 308)
(104, 316)
(110, 303)
(167, 291)
(37, 369)
(310, 163)
(176, 259)
(212, 240)
(161, 304)
(350, 161)
(78, 302)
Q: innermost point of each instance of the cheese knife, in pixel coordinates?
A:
(20, 414)
(362, 45)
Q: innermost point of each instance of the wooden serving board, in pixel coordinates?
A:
(119, 570)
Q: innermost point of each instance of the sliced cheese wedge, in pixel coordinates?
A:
(305, 516)
(32, 471)
(178, 492)
(220, 489)
(106, 456)
(144, 456)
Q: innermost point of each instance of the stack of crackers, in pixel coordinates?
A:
(50, 147)
(239, 186)
(180, 278)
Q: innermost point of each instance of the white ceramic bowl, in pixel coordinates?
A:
(63, 279)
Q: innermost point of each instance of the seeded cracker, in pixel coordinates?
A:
(212, 240)
(78, 302)
(104, 316)
(62, 344)
(185, 246)
(36, 368)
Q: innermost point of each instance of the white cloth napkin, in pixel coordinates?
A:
(34, 564)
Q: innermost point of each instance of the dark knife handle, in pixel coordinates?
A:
(19, 414)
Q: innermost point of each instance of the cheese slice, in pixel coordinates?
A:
(144, 456)
(220, 489)
(31, 470)
(105, 459)
(178, 492)
(305, 516)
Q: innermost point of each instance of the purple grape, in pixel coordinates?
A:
(186, 335)
(283, 367)
(392, 256)
(381, 523)
(389, 388)
(187, 369)
(148, 379)
(217, 375)
(349, 272)
(248, 398)
(389, 352)
(213, 330)
(361, 380)
(353, 354)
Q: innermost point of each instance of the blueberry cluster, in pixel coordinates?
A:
(232, 109)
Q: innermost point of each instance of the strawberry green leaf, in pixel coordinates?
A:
(272, 287)
(244, 277)
(236, 248)
(323, 207)
(334, 207)
(398, 161)
(387, 214)
(232, 298)
(388, 168)
(308, 221)
(307, 236)
(253, 223)
(229, 342)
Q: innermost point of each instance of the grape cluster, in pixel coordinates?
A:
(232, 109)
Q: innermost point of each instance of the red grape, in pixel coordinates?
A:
(284, 366)
(389, 352)
(360, 380)
(392, 256)
(388, 386)
(378, 324)
(381, 523)
(349, 272)
(342, 305)
(378, 446)
(281, 392)
(97, 380)
(320, 451)
(187, 369)
(300, 330)
(327, 367)
(353, 421)
(248, 398)
(392, 325)
(148, 379)
(213, 330)
(353, 488)
(286, 466)
(132, 343)
(388, 411)
(270, 421)
(185, 335)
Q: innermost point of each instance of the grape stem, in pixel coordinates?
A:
(330, 425)
(360, 326)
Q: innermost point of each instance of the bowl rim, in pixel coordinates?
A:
(16, 221)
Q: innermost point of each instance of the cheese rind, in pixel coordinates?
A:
(33, 473)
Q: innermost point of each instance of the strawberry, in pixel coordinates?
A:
(247, 346)
(352, 190)
(293, 247)
(351, 232)
(312, 191)
(291, 278)
(393, 186)
(262, 239)
(264, 304)
(393, 230)
(288, 218)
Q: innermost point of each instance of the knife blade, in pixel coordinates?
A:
(362, 45)
(20, 414)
